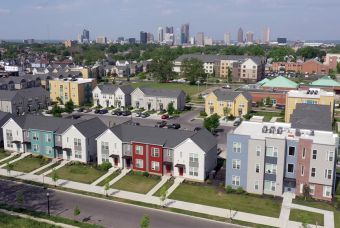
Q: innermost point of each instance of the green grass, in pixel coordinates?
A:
(136, 183)
(79, 173)
(4, 154)
(10, 159)
(30, 163)
(167, 185)
(211, 196)
(10, 221)
(109, 178)
(267, 115)
(48, 168)
(306, 217)
(321, 205)
(188, 89)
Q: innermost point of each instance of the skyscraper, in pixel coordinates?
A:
(200, 39)
(185, 33)
(86, 35)
(250, 37)
(143, 37)
(266, 35)
(240, 35)
(160, 34)
(149, 38)
(227, 38)
(169, 29)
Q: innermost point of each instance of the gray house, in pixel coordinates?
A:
(4, 116)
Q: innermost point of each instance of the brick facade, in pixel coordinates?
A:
(303, 162)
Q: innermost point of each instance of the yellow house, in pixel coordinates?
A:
(311, 96)
(221, 100)
(79, 90)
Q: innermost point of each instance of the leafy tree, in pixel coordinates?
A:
(306, 191)
(193, 70)
(171, 108)
(163, 195)
(226, 111)
(56, 111)
(76, 212)
(279, 53)
(145, 222)
(161, 68)
(69, 106)
(310, 52)
(55, 177)
(332, 74)
(212, 122)
(9, 167)
(107, 187)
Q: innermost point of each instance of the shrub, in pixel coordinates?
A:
(229, 189)
(248, 116)
(231, 117)
(239, 190)
(203, 114)
(105, 166)
(146, 174)
(209, 181)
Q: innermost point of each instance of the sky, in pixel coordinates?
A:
(65, 19)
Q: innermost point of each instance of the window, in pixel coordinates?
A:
(35, 136)
(272, 152)
(302, 170)
(256, 185)
(221, 103)
(258, 151)
(155, 166)
(77, 142)
(229, 104)
(327, 191)
(48, 150)
(312, 173)
(330, 155)
(309, 102)
(35, 147)
(273, 101)
(315, 152)
(236, 164)
(304, 153)
(291, 151)
(271, 168)
(139, 150)
(237, 147)
(139, 163)
(290, 168)
(193, 157)
(328, 173)
(235, 180)
(155, 152)
(269, 186)
(105, 146)
(311, 189)
(257, 168)
(48, 138)
(77, 154)
(193, 171)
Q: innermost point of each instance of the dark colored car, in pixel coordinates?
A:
(126, 113)
(103, 111)
(97, 111)
(174, 126)
(279, 106)
(197, 128)
(81, 110)
(145, 115)
(237, 122)
(87, 110)
(161, 124)
(117, 113)
(138, 114)
(134, 123)
(76, 117)
(165, 117)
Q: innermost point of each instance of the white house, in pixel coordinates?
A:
(110, 95)
(13, 135)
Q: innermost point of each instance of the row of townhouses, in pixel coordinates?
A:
(191, 154)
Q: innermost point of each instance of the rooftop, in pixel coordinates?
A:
(280, 82)
(310, 93)
(75, 80)
(325, 81)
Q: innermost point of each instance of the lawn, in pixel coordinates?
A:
(48, 168)
(4, 154)
(10, 159)
(211, 196)
(320, 205)
(30, 163)
(135, 182)
(267, 115)
(167, 185)
(79, 172)
(306, 217)
(10, 221)
(109, 178)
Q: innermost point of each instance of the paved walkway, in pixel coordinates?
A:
(285, 208)
(159, 185)
(63, 163)
(23, 155)
(36, 219)
(177, 182)
(44, 167)
(120, 176)
(8, 157)
(328, 215)
(100, 179)
(273, 119)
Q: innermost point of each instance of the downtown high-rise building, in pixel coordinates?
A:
(199, 39)
(184, 38)
(266, 35)
(240, 36)
(86, 35)
(169, 29)
(160, 34)
(149, 38)
(143, 37)
(250, 37)
(227, 38)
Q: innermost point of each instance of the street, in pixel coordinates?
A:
(98, 211)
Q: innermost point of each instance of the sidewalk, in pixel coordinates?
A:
(8, 157)
(177, 182)
(44, 167)
(285, 208)
(120, 176)
(158, 186)
(100, 179)
(15, 160)
(58, 167)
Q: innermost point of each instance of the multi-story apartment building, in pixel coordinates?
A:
(188, 154)
(78, 90)
(157, 99)
(237, 103)
(4, 117)
(110, 95)
(332, 60)
(310, 96)
(273, 158)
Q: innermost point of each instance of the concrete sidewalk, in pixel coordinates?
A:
(63, 163)
(177, 182)
(8, 157)
(285, 208)
(100, 179)
(44, 167)
(23, 155)
(328, 215)
(158, 186)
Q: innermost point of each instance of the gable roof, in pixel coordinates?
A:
(312, 117)
(263, 81)
(9, 95)
(153, 92)
(229, 95)
(4, 116)
(280, 82)
(111, 89)
(325, 81)
(91, 127)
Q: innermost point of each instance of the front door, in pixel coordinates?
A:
(180, 171)
(128, 163)
(116, 161)
(149, 106)
(168, 168)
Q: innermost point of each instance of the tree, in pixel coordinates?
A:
(55, 177)
(338, 68)
(69, 106)
(59, 100)
(212, 122)
(193, 70)
(226, 111)
(306, 191)
(163, 195)
(107, 187)
(171, 108)
(56, 111)
(145, 222)
(230, 78)
(332, 74)
(161, 68)
(9, 167)
(76, 212)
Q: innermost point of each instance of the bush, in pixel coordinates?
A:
(248, 116)
(231, 117)
(105, 166)
(203, 114)
(229, 189)
(209, 181)
(239, 190)
(146, 174)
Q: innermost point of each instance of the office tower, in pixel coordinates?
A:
(169, 29)
(86, 35)
(132, 40)
(240, 35)
(160, 34)
(200, 39)
(282, 40)
(149, 37)
(192, 40)
(227, 38)
(101, 40)
(208, 41)
(143, 37)
(185, 33)
(120, 39)
(266, 35)
(250, 37)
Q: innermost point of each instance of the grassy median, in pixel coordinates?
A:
(30, 163)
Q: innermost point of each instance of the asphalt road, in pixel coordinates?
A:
(101, 212)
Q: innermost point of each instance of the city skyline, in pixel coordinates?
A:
(65, 20)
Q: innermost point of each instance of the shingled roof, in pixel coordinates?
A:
(229, 95)
(153, 92)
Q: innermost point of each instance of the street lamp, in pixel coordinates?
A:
(48, 203)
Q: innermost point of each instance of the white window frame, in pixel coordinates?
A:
(155, 166)
(271, 168)
(328, 174)
(139, 150)
(272, 152)
(193, 171)
(257, 168)
(193, 157)
(327, 191)
(312, 189)
(316, 154)
(48, 138)
(35, 147)
(236, 164)
(236, 180)
(330, 156)
(256, 185)
(270, 185)
(139, 163)
(236, 147)
(155, 152)
(258, 151)
(78, 154)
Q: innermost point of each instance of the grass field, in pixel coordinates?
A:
(136, 183)
(48, 168)
(109, 178)
(306, 217)
(267, 115)
(4, 154)
(30, 163)
(79, 173)
(167, 185)
(10, 159)
(211, 196)
(10, 221)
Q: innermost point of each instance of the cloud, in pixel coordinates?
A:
(4, 11)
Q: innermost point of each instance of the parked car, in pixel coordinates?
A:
(97, 111)
(165, 117)
(161, 124)
(138, 114)
(126, 113)
(81, 110)
(87, 110)
(103, 111)
(117, 113)
(174, 126)
(197, 128)
(145, 115)
(280, 106)
(237, 122)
